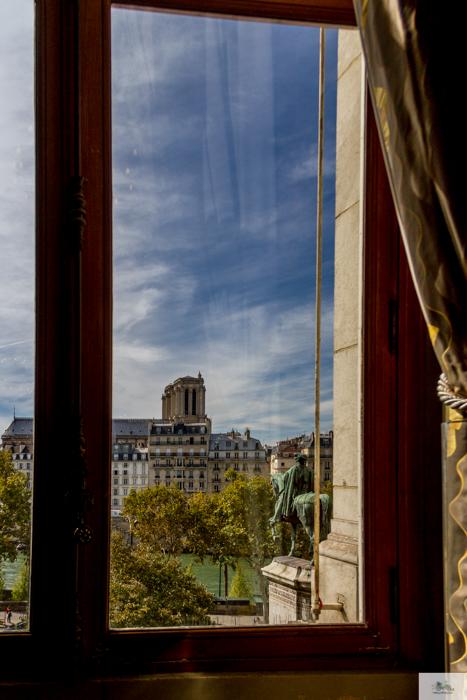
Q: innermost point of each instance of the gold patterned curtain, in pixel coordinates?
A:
(414, 55)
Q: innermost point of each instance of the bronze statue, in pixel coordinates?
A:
(295, 503)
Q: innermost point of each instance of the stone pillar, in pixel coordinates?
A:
(164, 406)
(339, 553)
(202, 397)
(190, 400)
(173, 400)
(178, 402)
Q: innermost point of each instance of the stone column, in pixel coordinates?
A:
(190, 400)
(202, 397)
(339, 553)
(164, 406)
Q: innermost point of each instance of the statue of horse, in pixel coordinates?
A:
(303, 513)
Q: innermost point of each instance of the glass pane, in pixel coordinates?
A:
(16, 306)
(215, 129)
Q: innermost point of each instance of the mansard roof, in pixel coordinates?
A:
(222, 439)
(20, 426)
(130, 426)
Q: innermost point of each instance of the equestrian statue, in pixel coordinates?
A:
(295, 503)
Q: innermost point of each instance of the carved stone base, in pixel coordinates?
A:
(290, 584)
(338, 581)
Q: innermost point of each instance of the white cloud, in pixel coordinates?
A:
(306, 166)
(17, 220)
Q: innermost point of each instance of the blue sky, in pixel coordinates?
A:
(214, 156)
(17, 206)
(214, 153)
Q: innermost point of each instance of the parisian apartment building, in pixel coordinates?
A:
(283, 454)
(242, 453)
(178, 448)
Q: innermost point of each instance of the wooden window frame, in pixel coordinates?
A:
(69, 607)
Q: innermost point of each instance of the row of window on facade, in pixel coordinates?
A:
(228, 443)
(189, 441)
(125, 457)
(236, 455)
(168, 429)
(179, 462)
(22, 455)
(125, 471)
(180, 452)
(180, 474)
(134, 480)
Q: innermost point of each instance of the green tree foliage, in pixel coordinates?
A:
(15, 509)
(20, 590)
(168, 520)
(240, 587)
(228, 526)
(159, 518)
(151, 589)
(245, 508)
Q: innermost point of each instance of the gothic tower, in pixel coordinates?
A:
(184, 400)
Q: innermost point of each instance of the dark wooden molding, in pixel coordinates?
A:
(400, 460)
(332, 13)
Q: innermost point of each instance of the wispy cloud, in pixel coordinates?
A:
(213, 220)
(306, 166)
(17, 220)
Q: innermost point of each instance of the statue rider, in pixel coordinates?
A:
(297, 480)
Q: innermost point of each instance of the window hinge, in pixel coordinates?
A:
(393, 595)
(393, 318)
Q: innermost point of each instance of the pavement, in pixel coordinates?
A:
(236, 620)
(15, 617)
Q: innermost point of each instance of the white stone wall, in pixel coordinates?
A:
(339, 553)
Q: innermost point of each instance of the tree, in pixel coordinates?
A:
(151, 589)
(159, 518)
(229, 526)
(15, 509)
(168, 520)
(20, 590)
(240, 587)
(246, 506)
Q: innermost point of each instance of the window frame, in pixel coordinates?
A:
(400, 452)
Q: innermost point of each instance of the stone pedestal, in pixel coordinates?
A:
(338, 580)
(290, 584)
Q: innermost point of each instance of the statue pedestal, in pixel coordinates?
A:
(291, 581)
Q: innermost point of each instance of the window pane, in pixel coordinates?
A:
(16, 306)
(215, 129)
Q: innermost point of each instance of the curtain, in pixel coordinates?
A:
(413, 51)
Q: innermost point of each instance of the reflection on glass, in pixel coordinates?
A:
(16, 306)
(215, 128)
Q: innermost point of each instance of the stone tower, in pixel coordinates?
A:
(184, 400)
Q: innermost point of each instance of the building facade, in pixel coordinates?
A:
(175, 449)
(18, 440)
(284, 454)
(129, 458)
(243, 453)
